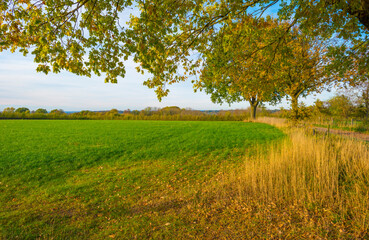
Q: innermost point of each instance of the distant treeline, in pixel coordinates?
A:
(341, 107)
(166, 113)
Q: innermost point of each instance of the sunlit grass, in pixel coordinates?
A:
(121, 179)
(305, 187)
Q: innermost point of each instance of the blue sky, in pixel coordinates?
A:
(22, 86)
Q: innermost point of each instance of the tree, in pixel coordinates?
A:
(57, 112)
(302, 67)
(166, 37)
(41, 110)
(320, 107)
(340, 105)
(359, 94)
(22, 110)
(113, 112)
(345, 20)
(172, 110)
(293, 66)
(229, 75)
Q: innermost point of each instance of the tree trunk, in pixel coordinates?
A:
(295, 108)
(253, 104)
(253, 111)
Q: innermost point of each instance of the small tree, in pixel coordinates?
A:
(57, 112)
(22, 110)
(340, 106)
(41, 110)
(170, 110)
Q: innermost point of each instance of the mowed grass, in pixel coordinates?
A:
(117, 179)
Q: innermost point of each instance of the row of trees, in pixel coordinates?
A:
(167, 113)
(27, 111)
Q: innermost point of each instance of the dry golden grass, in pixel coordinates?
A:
(310, 186)
(277, 122)
(309, 169)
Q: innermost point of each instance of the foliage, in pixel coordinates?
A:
(342, 111)
(302, 70)
(233, 71)
(82, 37)
(347, 104)
(347, 21)
(173, 110)
(41, 110)
(359, 95)
(57, 112)
(187, 33)
(340, 105)
(22, 110)
(167, 38)
(320, 108)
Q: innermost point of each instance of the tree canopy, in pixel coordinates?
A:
(22, 110)
(302, 67)
(167, 38)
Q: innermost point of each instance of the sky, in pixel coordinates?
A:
(22, 86)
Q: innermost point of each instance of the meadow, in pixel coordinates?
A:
(70, 179)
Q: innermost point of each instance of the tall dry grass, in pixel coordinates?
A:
(277, 122)
(310, 169)
(324, 178)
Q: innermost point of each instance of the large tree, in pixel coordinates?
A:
(166, 37)
(302, 67)
(230, 75)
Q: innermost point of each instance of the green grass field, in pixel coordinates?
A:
(116, 179)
